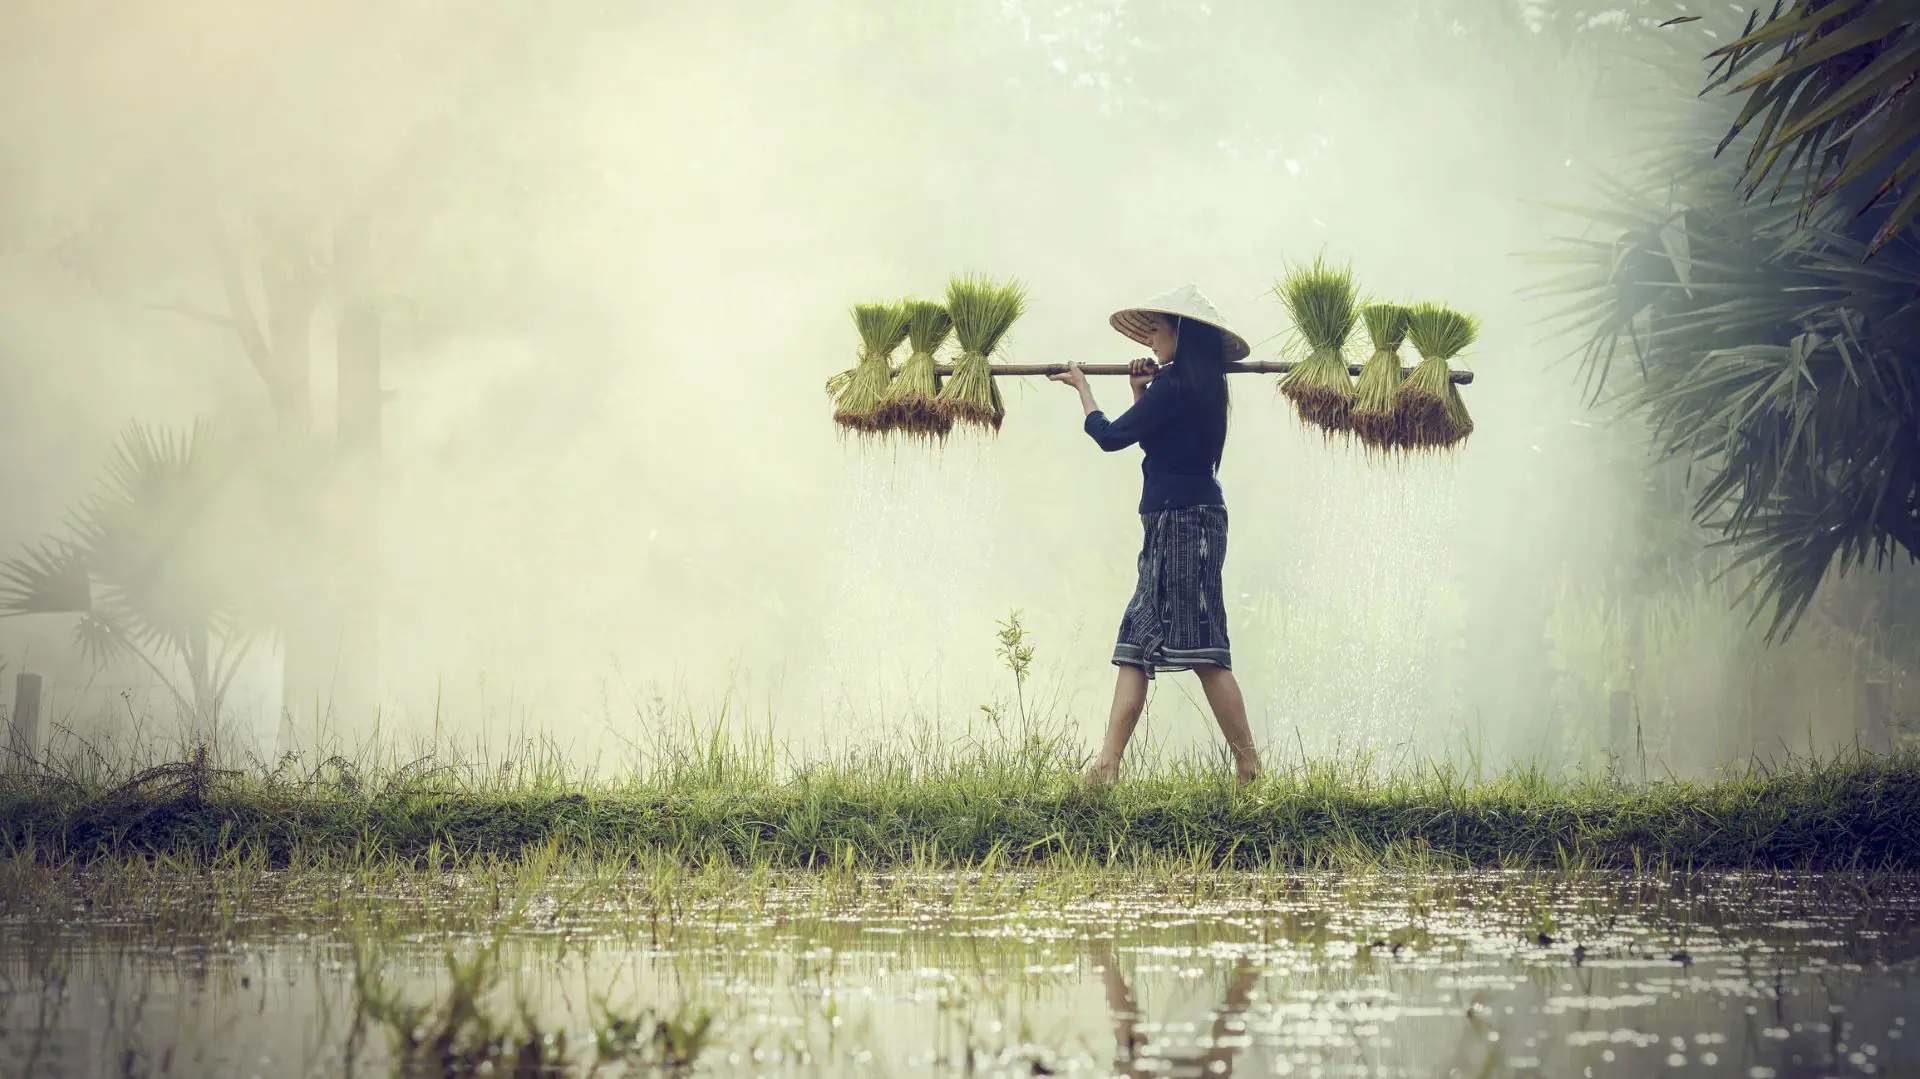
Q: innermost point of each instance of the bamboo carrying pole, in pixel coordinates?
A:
(1459, 376)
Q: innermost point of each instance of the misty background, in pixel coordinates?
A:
(610, 250)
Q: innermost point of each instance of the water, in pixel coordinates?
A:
(1363, 596)
(1002, 974)
(901, 632)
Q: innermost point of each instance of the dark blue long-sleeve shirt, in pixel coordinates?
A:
(1178, 469)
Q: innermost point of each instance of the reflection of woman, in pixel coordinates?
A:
(1177, 619)
(1223, 1043)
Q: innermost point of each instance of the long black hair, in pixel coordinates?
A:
(1199, 372)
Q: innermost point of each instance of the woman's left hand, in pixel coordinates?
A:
(1072, 376)
(1141, 372)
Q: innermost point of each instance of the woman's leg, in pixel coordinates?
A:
(1230, 711)
(1129, 697)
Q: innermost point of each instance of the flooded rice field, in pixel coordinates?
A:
(1018, 974)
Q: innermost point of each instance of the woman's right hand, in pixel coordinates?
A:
(1141, 372)
(1072, 376)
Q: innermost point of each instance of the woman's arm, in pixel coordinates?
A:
(1146, 416)
(1140, 375)
(1077, 378)
(1149, 412)
(1087, 404)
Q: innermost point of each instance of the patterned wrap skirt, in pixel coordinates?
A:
(1177, 617)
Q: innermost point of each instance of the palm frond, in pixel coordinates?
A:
(103, 639)
(1772, 362)
(48, 578)
(1837, 95)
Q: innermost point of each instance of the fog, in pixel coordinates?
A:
(613, 252)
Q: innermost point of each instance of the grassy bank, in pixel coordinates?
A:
(1854, 813)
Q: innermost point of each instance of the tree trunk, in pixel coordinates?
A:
(281, 354)
(309, 637)
(291, 286)
(358, 522)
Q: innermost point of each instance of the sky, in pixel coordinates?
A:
(615, 247)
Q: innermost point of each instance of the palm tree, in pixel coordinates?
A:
(162, 563)
(1769, 357)
(1838, 99)
(1782, 370)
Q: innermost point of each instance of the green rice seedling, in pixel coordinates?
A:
(909, 404)
(1322, 301)
(1373, 416)
(1459, 422)
(882, 328)
(982, 313)
(1428, 405)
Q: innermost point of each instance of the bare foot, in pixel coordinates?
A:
(1101, 774)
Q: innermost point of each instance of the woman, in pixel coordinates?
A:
(1177, 619)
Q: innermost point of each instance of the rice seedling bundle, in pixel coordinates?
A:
(909, 404)
(1373, 417)
(1428, 405)
(1322, 302)
(857, 393)
(982, 313)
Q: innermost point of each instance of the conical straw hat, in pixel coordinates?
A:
(1186, 302)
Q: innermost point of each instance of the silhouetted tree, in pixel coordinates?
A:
(169, 562)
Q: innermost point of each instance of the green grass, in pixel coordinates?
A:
(1018, 806)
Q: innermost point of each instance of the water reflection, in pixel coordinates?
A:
(1134, 1054)
(1471, 975)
